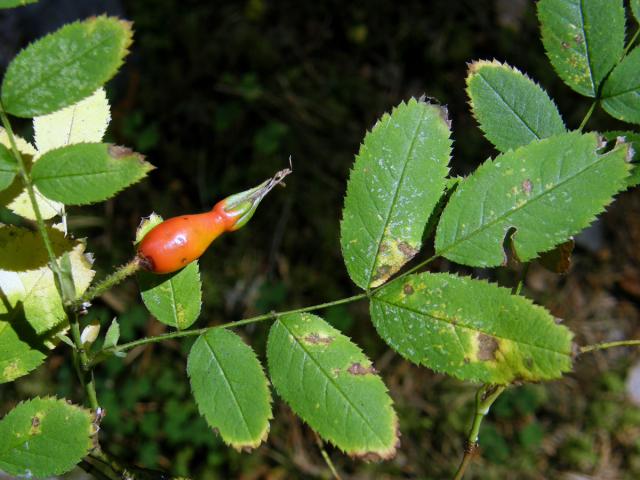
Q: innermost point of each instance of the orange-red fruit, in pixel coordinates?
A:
(178, 241)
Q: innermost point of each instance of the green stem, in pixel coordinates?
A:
(86, 375)
(190, 333)
(327, 458)
(518, 288)
(631, 42)
(587, 116)
(486, 395)
(604, 346)
(116, 277)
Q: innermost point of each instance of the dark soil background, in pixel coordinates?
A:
(218, 95)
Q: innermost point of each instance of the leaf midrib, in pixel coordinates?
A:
(502, 99)
(407, 156)
(233, 393)
(330, 379)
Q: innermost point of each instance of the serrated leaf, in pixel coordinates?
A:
(43, 437)
(583, 39)
(113, 335)
(15, 3)
(230, 388)
(174, 299)
(512, 109)
(471, 329)
(8, 167)
(398, 177)
(332, 385)
(621, 91)
(87, 172)
(547, 191)
(15, 197)
(26, 281)
(85, 121)
(65, 66)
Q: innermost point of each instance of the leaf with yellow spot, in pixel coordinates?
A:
(471, 329)
(43, 437)
(327, 380)
(396, 182)
(230, 388)
(538, 195)
(174, 299)
(582, 42)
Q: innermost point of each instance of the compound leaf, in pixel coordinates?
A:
(621, 91)
(230, 388)
(174, 299)
(634, 139)
(397, 180)
(85, 121)
(87, 172)
(544, 193)
(18, 355)
(582, 43)
(44, 437)
(332, 385)
(65, 66)
(512, 109)
(471, 329)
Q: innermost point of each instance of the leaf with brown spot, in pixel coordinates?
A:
(396, 182)
(471, 329)
(332, 386)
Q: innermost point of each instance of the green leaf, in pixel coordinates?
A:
(20, 349)
(332, 385)
(16, 198)
(396, 182)
(621, 91)
(174, 299)
(43, 437)
(584, 40)
(471, 329)
(87, 172)
(26, 282)
(113, 335)
(635, 9)
(230, 388)
(65, 66)
(546, 191)
(15, 3)
(8, 167)
(85, 121)
(512, 109)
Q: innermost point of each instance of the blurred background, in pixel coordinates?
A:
(218, 95)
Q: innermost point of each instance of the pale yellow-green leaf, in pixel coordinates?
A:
(85, 121)
(23, 146)
(16, 198)
(26, 281)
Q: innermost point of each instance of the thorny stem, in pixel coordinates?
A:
(110, 281)
(604, 346)
(86, 375)
(486, 395)
(326, 458)
(587, 116)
